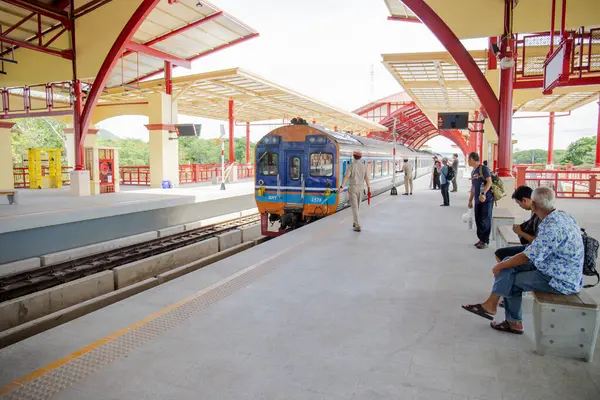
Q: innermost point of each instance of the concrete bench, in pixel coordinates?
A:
(11, 195)
(505, 237)
(566, 324)
(501, 216)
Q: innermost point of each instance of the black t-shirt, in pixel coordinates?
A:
(478, 182)
(530, 227)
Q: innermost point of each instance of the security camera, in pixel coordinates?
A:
(198, 4)
(506, 63)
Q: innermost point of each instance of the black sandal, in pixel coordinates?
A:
(504, 326)
(478, 309)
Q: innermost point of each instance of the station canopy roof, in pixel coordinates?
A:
(256, 99)
(436, 83)
(180, 31)
(471, 19)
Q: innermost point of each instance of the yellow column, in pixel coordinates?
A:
(164, 152)
(6, 162)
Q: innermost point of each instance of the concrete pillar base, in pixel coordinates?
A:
(80, 183)
(507, 202)
(7, 181)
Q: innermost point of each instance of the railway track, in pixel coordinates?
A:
(20, 284)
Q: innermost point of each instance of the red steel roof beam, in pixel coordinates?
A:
(45, 10)
(457, 50)
(218, 48)
(180, 30)
(161, 55)
(404, 19)
(68, 54)
(18, 24)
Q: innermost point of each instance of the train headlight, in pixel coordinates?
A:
(327, 192)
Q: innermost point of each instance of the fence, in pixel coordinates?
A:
(21, 176)
(575, 184)
(139, 175)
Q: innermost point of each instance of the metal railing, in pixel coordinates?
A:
(574, 184)
(135, 175)
(21, 176)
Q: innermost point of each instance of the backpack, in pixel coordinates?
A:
(590, 253)
(451, 174)
(497, 185)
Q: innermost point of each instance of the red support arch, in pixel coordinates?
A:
(453, 45)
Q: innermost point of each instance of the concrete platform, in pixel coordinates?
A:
(49, 221)
(319, 313)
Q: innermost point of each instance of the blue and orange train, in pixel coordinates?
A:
(299, 168)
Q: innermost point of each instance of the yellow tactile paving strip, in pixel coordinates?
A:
(71, 369)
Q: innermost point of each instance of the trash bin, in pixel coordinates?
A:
(167, 185)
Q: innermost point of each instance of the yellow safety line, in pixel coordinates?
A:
(55, 365)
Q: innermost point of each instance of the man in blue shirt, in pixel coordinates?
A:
(481, 183)
(445, 184)
(552, 263)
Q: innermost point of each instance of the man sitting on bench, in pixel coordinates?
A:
(527, 230)
(552, 263)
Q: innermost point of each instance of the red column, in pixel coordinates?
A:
(168, 78)
(506, 99)
(598, 139)
(231, 139)
(495, 157)
(247, 142)
(551, 139)
(78, 125)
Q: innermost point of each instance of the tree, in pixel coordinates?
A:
(536, 156)
(581, 152)
(37, 133)
(131, 151)
(206, 151)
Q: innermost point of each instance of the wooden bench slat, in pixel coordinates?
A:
(508, 234)
(580, 299)
(7, 193)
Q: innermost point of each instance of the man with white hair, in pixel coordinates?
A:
(552, 263)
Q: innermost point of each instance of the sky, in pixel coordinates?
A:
(326, 49)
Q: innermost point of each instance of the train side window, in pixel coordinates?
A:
(268, 163)
(344, 168)
(378, 168)
(321, 164)
(294, 168)
(370, 169)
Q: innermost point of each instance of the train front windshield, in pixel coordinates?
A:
(268, 163)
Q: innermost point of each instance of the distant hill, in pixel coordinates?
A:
(103, 134)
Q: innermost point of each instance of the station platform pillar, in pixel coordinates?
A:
(6, 162)
(90, 141)
(164, 149)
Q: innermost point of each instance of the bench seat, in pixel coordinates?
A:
(566, 324)
(501, 216)
(505, 237)
(11, 195)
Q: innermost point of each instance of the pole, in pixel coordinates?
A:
(506, 98)
(597, 164)
(551, 139)
(222, 163)
(394, 191)
(247, 142)
(231, 139)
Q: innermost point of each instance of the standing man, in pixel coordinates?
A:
(356, 174)
(436, 173)
(455, 168)
(481, 183)
(445, 184)
(408, 176)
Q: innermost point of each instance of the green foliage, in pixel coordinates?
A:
(204, 151)
(536, 156)
(37, 132)
(581, 152)
(131, 151)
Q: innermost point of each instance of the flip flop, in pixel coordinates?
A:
(478, 309)
(504, 326)
(501, 304)
(356, 229)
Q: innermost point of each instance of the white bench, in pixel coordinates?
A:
(505, 237)
(501, 216)
(566, 324)
(11, 195)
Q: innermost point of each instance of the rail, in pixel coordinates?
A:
(21, 176)
(566, 184)
(23, 283)
(135, 175)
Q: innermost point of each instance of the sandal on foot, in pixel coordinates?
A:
(504, 326)
(478, 309)
(501, 304)
(357, 229)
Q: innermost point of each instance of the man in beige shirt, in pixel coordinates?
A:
(407, 168)
(356, 175)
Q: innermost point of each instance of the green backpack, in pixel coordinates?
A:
(497, 185)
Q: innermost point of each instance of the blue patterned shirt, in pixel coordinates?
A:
(557, 251)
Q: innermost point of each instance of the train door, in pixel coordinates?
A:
(294, 181)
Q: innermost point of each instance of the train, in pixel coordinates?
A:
(299, 168)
